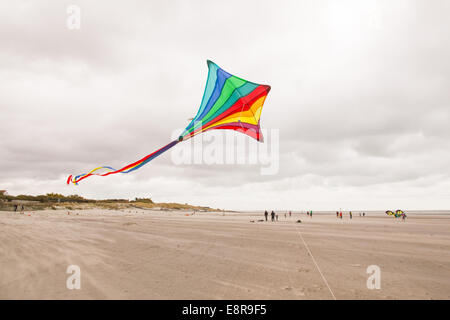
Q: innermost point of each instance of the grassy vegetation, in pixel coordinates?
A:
(57, 201)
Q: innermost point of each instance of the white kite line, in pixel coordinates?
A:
(315, 263)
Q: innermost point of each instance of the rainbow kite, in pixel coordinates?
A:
(229, 102)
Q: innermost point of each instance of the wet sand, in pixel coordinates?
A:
(171, 255)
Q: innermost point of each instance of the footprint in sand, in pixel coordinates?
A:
(297, 292)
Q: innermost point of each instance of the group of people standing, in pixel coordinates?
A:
(16, 208)
(339, 214)
(274, 216)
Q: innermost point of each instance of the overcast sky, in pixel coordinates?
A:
(360, 98)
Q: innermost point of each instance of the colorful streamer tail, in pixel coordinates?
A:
(131, 167)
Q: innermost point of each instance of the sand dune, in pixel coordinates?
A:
(168, 255)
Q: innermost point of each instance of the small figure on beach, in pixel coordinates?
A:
(403, 217)
(290, 213)
(15, 207)
(364, 214)
(310, 213)
(285, 216)
(266, 214)
(272, 215)
(340, 215)
(350, 215)
(337, 214)
(276, 217)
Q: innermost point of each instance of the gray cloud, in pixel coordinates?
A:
(359, 95)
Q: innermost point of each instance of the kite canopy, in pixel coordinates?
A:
(229, 102)
(398, 213)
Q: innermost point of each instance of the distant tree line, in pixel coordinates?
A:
(49, 197)
(146, 200)
(56, 197)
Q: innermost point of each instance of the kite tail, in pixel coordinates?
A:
(126, 169)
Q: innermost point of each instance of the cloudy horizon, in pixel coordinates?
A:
(360, 98)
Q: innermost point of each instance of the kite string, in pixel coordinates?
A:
(315, 263)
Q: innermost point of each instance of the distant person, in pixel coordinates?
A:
(403, 217)
(351, 215)
(364, 214)
(290, 213)
(337, 214)
(272, 215)
(21, 209)
(15, 208)
(285, 216)
(310, 213)
(266, 214)
(340, 215)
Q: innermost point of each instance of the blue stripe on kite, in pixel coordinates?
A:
(209, 88)
(210, 84)
(222, 76)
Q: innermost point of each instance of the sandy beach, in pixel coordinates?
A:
(143, 254)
